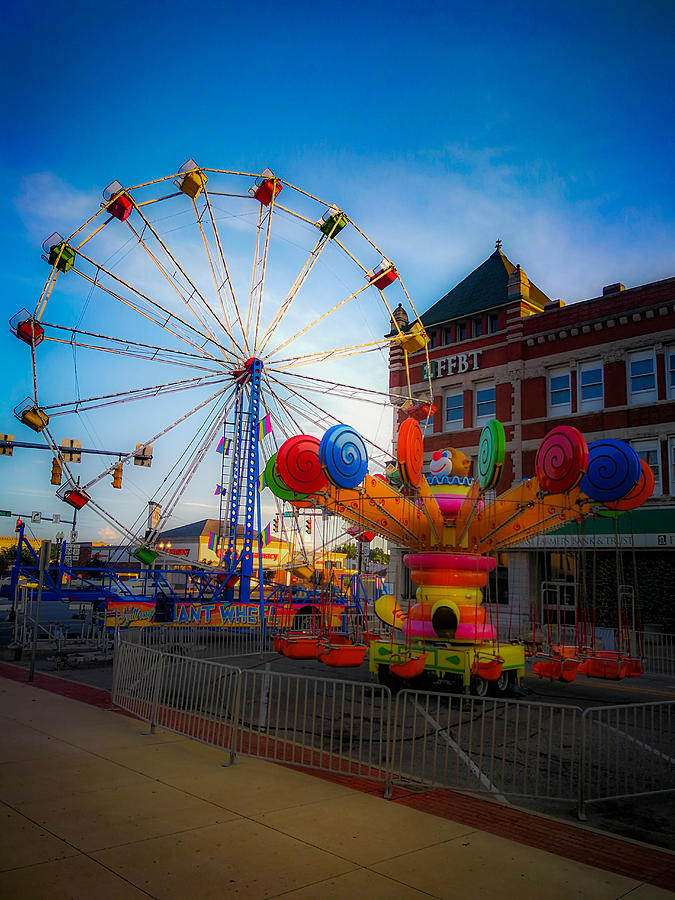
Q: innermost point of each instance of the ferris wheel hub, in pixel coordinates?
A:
(247, 368)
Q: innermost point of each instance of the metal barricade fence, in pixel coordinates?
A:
(505, 748)
(136, 680)
(320, 723)
(193, 697)
(200, 642)
(628, 751)
(199, 699)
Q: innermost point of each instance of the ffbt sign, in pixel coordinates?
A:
(457, 364)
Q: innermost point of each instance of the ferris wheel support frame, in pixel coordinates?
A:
(246, 453)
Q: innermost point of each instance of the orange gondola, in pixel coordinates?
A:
(410, 666)
(339, 651)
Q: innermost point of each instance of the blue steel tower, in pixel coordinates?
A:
(244, 486)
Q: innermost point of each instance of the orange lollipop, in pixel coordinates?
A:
(410, 452)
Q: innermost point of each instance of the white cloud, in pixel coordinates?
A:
(108, 534)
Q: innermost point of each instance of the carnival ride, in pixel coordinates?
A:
(262, 302)
(244, 354)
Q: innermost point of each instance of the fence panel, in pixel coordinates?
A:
(629, 751)
(137, 670)
(505, 748)
(198, 698)
(321, 723)
(200, 642)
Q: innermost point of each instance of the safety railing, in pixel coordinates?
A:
(505, 748)
(629, 751)
(198, 641)
(137, 680)
(328, 724)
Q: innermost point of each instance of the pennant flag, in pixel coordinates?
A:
(224, 446)
(262, 484)
(212, 540)
(266, 535)
(220, 489)
(264, 427)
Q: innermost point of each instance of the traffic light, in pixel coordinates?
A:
(17, 527)
(56, 470)
(117, 476)
(308, 526)
(275, 525)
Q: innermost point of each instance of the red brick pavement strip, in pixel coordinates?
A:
(583, 845)
(82, 692)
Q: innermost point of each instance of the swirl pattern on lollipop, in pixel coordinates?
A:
(562, 460)
(276, 485)
(613, 469)
(298, 464)
(410, 452)
(343, 456)
(491, 452)
(641, 491)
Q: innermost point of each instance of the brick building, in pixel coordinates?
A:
(501, 348)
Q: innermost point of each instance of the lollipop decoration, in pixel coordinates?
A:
(298, 464)
(562, 460)
(276, 485)
(343, 456)
(641, 491)
(491, 452)
(613, 469)
(410, 452)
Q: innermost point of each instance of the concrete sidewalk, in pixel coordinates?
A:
(92, 805)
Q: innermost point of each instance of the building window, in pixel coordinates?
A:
(641, 377)
(432, 339)
(671, 458)
(454, 411)
(590, 386)
(485, 403)
(493, 323)
(650, 451)
(477, 327)
(670, 372)
(460, 329)
(447, 336)
(559, 392)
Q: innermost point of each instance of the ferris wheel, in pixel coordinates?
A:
(208, 310)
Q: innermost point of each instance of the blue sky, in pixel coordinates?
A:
(439, 127)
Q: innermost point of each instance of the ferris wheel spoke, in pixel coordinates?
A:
(317, 321)
(226, 271)
(172, 387)
(219, 284)
(314, 409)
(192, 467)
(290, 297)
(162, 323)
(154, 439)
(349, 391)
(137, 354)
(259, 269)
(154, 350)
(171, 280)
(291, 362)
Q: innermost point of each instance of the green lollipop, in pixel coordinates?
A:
(276, 485)
(491, 452)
